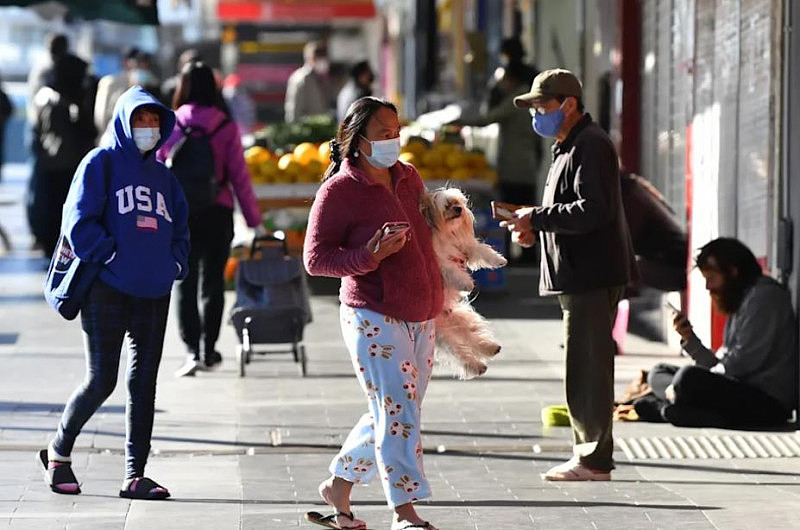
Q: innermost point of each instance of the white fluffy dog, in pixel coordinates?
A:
(461, 333)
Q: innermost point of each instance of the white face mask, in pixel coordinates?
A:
(322, 66)
(142, 77)
(146, 138)
(384, 152)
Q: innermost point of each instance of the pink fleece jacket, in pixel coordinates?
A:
(228, 157)
(349, 207)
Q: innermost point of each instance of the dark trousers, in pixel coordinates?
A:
(736, 403)
(589, 347)
(58, 183)
(47, 191)
(211, 235)
(106, 318)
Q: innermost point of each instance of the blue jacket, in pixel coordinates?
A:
(129, 212)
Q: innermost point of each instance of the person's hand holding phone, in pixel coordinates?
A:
(389, 239)
(524, 239)
(680, 322)
(517, 220)
(503, 211)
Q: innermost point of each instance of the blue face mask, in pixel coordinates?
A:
(548, 124)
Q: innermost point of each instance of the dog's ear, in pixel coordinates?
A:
(428, 209)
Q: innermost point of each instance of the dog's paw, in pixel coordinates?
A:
(473, 370)
(498, 261)
(466, 284)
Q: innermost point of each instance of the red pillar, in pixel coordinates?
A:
(630, 23)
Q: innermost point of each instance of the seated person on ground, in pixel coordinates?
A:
(751, 381)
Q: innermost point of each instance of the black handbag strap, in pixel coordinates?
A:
(106, 161)
(106, 173)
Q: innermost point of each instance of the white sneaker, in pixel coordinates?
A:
(188, 368)
(573, 471)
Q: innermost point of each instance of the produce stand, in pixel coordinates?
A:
(296, 199)
(287, 166)
(271, 196)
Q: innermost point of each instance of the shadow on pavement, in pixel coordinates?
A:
(660, 465)
(227, 443)
(16, 406)
(21, 298)
(510, 436)
(706, 482)
(17, 264)
(464, 503)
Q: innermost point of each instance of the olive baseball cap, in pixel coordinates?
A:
(550, 84)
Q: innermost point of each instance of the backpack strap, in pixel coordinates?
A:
(219, 127)
(106, 157)
(189, 129)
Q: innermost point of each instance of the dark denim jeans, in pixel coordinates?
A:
(106, 318)
(210, 239)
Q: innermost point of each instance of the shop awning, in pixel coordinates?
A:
(293, 10)
(139, 12)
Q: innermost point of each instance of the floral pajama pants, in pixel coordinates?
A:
(393, 360)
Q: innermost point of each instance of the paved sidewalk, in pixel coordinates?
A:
(249, 452)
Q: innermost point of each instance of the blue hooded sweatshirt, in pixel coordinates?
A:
(129, 212)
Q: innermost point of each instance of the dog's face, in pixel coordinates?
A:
(447, 209)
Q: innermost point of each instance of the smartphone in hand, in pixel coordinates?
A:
(675, 310)
(392, 227)
(503, 211)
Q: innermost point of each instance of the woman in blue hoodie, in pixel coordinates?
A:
(126, 211)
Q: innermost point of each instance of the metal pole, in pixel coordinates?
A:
(494, 35)
(410, 74)
(790, 116)
(784, 258)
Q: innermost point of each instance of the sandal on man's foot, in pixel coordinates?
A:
(143, 488)
(332, 521)
(422, 526)
(58, 475)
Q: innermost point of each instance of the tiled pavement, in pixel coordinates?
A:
(248, 453)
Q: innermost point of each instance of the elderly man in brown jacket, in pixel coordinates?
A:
(587, 259)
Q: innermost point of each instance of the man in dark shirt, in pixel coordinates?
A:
(587, 259)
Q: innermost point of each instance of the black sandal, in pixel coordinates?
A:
(329, 521)
(58, 473)
(144, 488)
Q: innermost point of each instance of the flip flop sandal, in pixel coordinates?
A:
(329, 521)
(424, 526)
(143, 488)
(57, 474)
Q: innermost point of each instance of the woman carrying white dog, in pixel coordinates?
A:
(391, 292)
